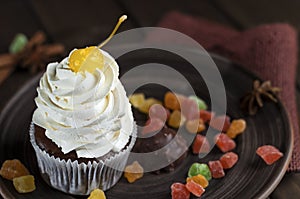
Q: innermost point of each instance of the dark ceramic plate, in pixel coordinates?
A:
(250, 178)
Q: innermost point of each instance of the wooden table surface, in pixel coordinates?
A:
(81, 23)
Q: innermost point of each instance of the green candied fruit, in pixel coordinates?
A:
(18, 43)
(201, 104)
(198, 168)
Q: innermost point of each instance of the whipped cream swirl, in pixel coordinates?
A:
(85, 112)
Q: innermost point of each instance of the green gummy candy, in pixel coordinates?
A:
(198, 168)
(18, 43)
(201, 104)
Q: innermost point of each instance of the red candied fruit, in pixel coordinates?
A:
(269, 153)
(195, 188)
(221, 123)
(158, 111)
(201, 145)
(189, 109)
(224, 142)
(206, 116)
(228, 160)
(153, 125)
(216, 169)
(179, 191)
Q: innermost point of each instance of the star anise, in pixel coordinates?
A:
(34, 56)
(254, 100)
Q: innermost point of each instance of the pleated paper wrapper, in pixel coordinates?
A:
(81, 178)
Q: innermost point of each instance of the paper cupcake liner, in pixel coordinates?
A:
(81, 178)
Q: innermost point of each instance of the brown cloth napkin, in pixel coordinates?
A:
(268, 50)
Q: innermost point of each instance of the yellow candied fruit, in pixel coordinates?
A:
(137, 99)
(97, 194)
(144, 108)
(199, 179)
(86, 59)
(24, 184)
(176, 119)
(133, 172)
(195, 126)
(236, 127)
(13, 168)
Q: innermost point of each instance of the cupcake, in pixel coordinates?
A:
(82, 129)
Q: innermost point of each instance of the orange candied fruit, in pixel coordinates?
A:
(13, 168)
(172, 101)
(133, 172)
(236, 127)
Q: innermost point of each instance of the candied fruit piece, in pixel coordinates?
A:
(24, 184)
(153, 125)
(144, 108)
(13, 168)
(97, 194)
(224, 142)
(220, 123)
(194, 188)
(201, 104)
(86, 59)
(216, 169)
(195, 126)
(179, 191)
(158, 111)
(189, 109)
(18, 43)
(269, 154)
(199, 179)
(176, 119)
(228, 160)
(172, 101)
(206, 116)
(137, 99)
(133, 172)
(201, 145)
(236, 127)
(198, 168)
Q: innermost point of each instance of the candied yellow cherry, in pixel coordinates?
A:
(97, 194)
(86, 59)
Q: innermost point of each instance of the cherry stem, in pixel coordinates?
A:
(121, 20)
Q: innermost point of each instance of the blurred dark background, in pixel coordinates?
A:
(81, 23)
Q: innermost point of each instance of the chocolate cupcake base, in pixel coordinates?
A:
(80, 178)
